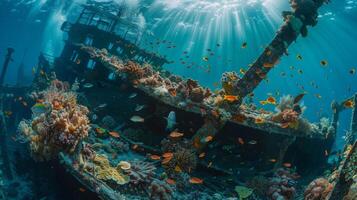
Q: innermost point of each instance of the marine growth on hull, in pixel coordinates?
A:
(122, 127)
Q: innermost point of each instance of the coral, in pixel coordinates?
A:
(119, 146)
(229, 80)
(287, 117)
(243, 192)
(159, 190)
(324, 127)
(184, 157)
(281, 186)
(58, 124)
(104, 171)
(141, 172)
(352, 193)
(319, 189)
(350, 170)
(134, 70)
(260, 184)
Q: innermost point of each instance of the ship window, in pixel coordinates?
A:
(89, 40)
(91, 64)
(74, 56)
(111, 76)
(110, 46)
(102, 25)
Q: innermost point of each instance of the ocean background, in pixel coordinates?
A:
(200, 28)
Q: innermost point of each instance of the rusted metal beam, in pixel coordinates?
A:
(304, 14)
(354, 119)
(8, 58)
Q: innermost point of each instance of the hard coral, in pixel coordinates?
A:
(104, 171)
(160, 190)
(319, 189)
(134, 70)
(282, 185)
(229, 80)
(58, 124)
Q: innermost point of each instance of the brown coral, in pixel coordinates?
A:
(319, 189)
(58, 124)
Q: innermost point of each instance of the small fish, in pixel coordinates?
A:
(103, 105)
(195, 180)
(324, 63)
(300, 71)
(318, 96)
(202, 155)
(168, 155)
(205, 59)
(170, 181)
(135, 146)
(299, 97)
(252, 142)
(272, 160)
(349, 104)
(352, 71)
(287, 165)
(139, 108)
(271, 100)
(155, 157)
(166, 160)
(8, 113)
(88, 85)
(231, 98)
(208, 138)
(259, 120)
(240, 141)
(82, 190)
(299, 57)
(133, 95)
(171, 121)
(244, 45)
(178, 169)
(242, 71)
(114, 134)
(176, 134)
(137, 119)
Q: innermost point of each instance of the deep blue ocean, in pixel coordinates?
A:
(214, 29)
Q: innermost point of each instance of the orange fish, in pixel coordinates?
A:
(202, 155)
(240, 141)
(155, 157)
(349, 104)
(114, 134)
(168, 155)
(231, 98)
(82, 189)
(288, 165)
(170, 181)
(176, 134)
(268, 65)
(272, 160)
(259, 120)
(271, 100)
(208, 138)
(195, 180)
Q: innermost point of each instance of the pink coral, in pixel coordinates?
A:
(59, 123)
(282, 185)
(319, 189)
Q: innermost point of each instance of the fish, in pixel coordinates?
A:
(168, 155)
(166, 160)
(271, 100)
(139, 107)
(114, 134)
(323, 63)
(88, 85)
(176, 134)
(300, 71)
(133, 95)
(318, 96)
(240, 141)
(195, 180)
(299, 97)
(299, 57)
(272, 160)
(103, 105)
(8, 113)
(155, 157)
(170, 181)
(202, 155)
(82, 189)
(171, 121)
(287, 165)
(39, 108)
(252, 142)
(349, 104)
(205, 59)
(352, 71)
(178, 169)
(137, 119)
(259, 120)
(242, 71)
(208, 138)
(244, 45)
(231, 98)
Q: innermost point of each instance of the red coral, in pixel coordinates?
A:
(282, 185)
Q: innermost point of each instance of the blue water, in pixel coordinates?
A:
(222, 26)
